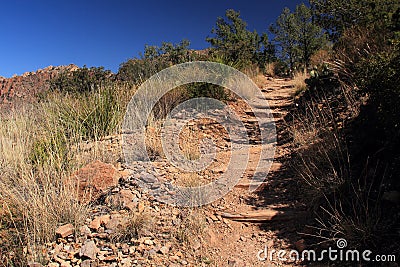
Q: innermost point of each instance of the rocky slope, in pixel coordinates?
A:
(29, 84)
(129, 227)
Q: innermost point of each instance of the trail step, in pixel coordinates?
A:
(246, 185)
(263, 215)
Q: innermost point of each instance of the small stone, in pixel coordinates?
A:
(164, 250)
(53, 264)
(141, 206)
(110, 258)
(89, 250)
(95, 223)
(84, 230)
(65, 230)
(114, 223)
(232, 262)
(148, 242)
(34, 264)
(65, 264)
(173, 258)
(104, 219)
(125, 248)
(242, 238)
(127, 262)
(196, 245)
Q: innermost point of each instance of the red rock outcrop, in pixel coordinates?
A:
(29, 84)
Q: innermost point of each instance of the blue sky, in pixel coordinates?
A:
(36, 34)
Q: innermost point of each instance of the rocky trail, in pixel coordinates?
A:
(130, 227)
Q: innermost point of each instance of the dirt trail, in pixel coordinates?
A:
(130, 227)
(236, 243)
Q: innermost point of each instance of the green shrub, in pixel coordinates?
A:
(81, 80)
(207, 90)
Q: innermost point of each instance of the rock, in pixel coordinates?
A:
(148, 178)
(141, 206)
(148, 242)
(34, 264)
(127, 199)
(232, 262)
(94, 180)
(196, 245)
(84, 230)
(110, 258)
(65, 230)
(95, 223)
(115, 222)
(173, 258)
(126, 194)
(65, 264)
(164, 250)
(104, 219)
(127, 262)
(86, 263)
(89, 250)
(53, 264)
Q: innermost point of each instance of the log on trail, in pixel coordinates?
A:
(264, 215)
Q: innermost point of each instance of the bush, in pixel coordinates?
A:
(82, 80)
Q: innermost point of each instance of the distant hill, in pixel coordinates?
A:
(28, 85)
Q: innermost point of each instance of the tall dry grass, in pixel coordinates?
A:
(40, 146)
(341, 202)
(299, 82)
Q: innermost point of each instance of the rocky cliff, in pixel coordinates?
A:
(27, 86)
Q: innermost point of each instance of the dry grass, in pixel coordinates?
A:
(153, 140)
(33, 195)
(190, 139)
(299, 82)
(39, 148)
(135, 224)
(191, 226)
(270, 69)
(324, 162)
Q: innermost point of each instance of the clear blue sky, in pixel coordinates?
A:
(36, 34)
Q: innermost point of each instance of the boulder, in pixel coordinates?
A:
(65, 230)
(94, 180)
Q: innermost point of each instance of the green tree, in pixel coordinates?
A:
(81, 80)
(298, 37)
(233, 40)
(310, 36)
(285, 35)
(338, 15)
(153, 60)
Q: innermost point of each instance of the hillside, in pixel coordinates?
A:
(29, 85)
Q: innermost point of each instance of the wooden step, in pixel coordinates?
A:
(264, 215)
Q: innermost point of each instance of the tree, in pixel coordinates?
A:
(298, 37)
(82, 80)
(336, 16)
(154, 59)
(233, 40)
(310, 36)
(285, 36)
